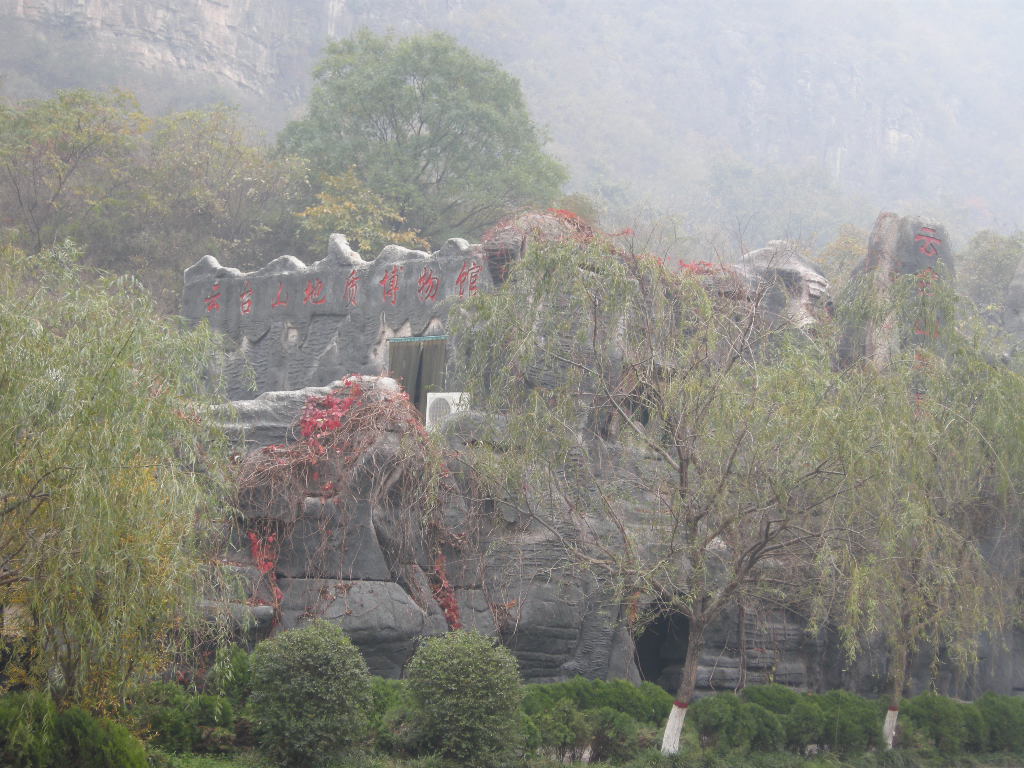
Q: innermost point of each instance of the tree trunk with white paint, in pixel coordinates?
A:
(899, 655)
(684, 694)
(889, 729)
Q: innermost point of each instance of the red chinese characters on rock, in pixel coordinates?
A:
(427, 285)
(389, 284)
(314, 292)
(245, 299)
(927, 239)
(352, 288)
(213, 300)
(281, 299)
(467, 279)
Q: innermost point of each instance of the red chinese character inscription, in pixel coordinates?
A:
(281, 299)
(926, 236)
(390, 284)
(212, 301)
(467, 277)
(352, 288)
(426, 286)
(314, 292)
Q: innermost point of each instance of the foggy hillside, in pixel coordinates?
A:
(764, 118)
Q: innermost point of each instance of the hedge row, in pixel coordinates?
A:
(305, 697)
(33, 734)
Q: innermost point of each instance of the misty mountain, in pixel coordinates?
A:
(771, 118)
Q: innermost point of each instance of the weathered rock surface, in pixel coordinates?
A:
(295, 326)
(340, 561)
(791, 289)
(897, 247)
(369, 562)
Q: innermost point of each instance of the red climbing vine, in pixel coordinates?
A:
(444, 594)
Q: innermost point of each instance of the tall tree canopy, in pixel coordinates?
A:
(144, 196)
(107, 492)
(441, 133)
(700, 456)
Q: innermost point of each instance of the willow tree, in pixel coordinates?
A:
(933, 571)
(107, 496)
(677, 437)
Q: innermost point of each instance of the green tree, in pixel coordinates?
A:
(697, 456)
(63, 158)
(311, 694)
(440, 133)
(345, 204)
(929, 570)
(145, 197)
(199, 185)
(110, 484)
(467, 693)
(986, 268)
(644, 423)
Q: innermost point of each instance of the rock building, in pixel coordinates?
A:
(298, 332)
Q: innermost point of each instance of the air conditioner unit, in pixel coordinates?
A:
(441, 405)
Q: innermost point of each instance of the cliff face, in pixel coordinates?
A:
(717, 110)
(241, 50)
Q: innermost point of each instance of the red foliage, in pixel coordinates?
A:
(700, 267)
(265, 554)
(444, 594)
(323, 414)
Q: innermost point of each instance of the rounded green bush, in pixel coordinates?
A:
(1004, 716)
(975, 728)
(765, 728)
(34, 735)
(720, 721)
(310, 694)
(27, 730)
(84, 741)
(804, 725)
(939, 718)
(467, 691)
(564, 731)
(852, 724)
(615, 735)
(773, 697)
(645, 703)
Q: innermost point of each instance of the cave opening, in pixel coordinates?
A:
(661, 650)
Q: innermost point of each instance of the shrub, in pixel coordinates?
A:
(392, 717)
(1004, 716)
(564, 731)
(84, 741)
(467, 692)
(852, 724)
(614, 735)
(765, 728)
(645, 703)
(975, 728)
(311, 694)
(720, 721)
(804, 725)
(773, 697)
(34, 735)
(937, 717)
(180, 721)
(27, 730)
(230, 675)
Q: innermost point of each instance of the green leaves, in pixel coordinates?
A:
(110, 477)
(441, 134)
